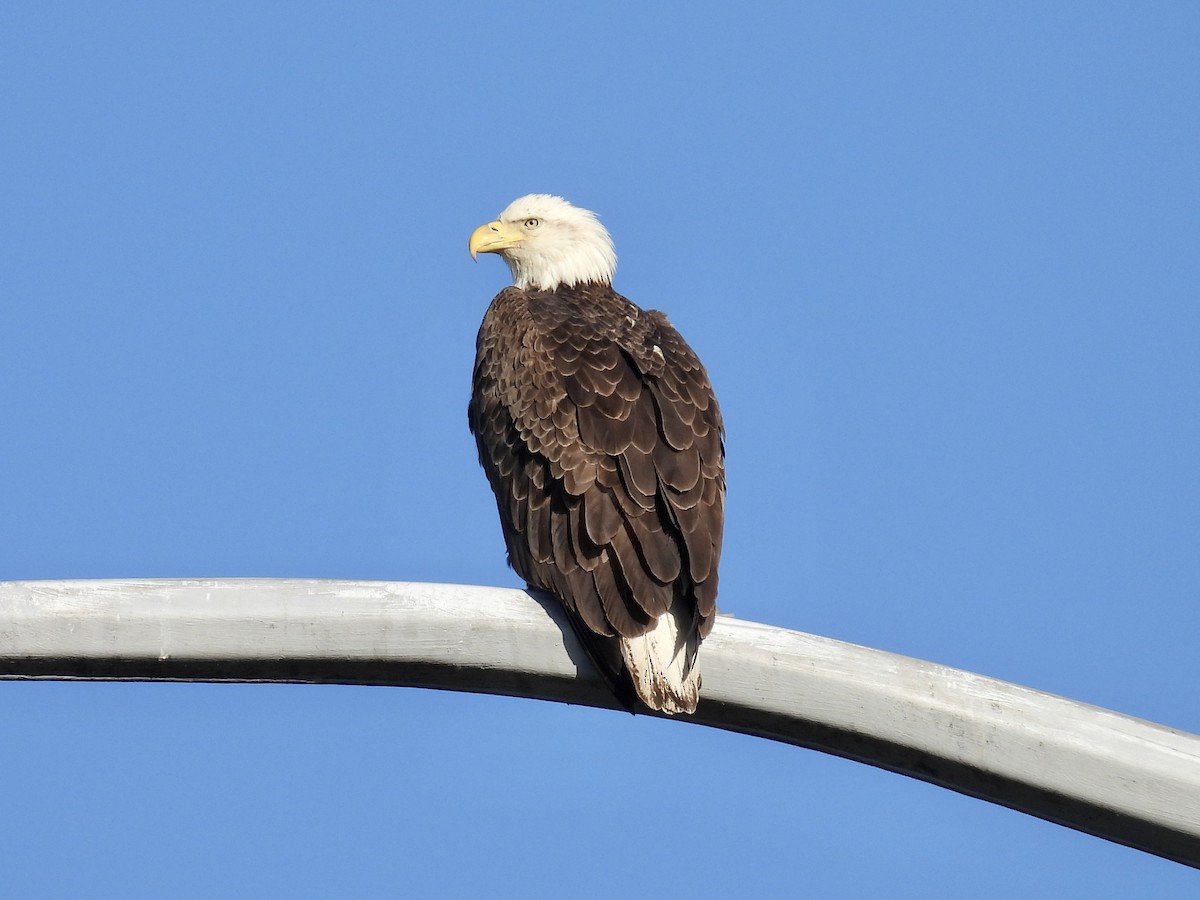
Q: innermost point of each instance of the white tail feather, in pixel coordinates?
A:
(663, 664)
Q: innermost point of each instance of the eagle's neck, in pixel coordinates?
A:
(565, 264)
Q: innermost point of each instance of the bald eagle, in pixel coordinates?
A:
(602, 440)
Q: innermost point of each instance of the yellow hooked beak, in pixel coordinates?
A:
(494, 237)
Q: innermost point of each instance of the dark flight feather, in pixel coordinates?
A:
(602, 440)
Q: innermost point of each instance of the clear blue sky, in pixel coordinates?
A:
(942, 261)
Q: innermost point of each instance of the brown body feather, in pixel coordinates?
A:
(602, 440)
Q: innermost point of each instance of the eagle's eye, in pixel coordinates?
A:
(532, 223)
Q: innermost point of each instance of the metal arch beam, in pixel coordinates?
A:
(1091, 769)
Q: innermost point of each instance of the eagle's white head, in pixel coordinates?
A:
(548, 243)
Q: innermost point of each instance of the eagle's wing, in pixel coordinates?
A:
(602, 439)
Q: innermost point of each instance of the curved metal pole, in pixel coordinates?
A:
(1097, 771)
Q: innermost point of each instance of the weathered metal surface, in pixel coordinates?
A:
(1107, 774)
